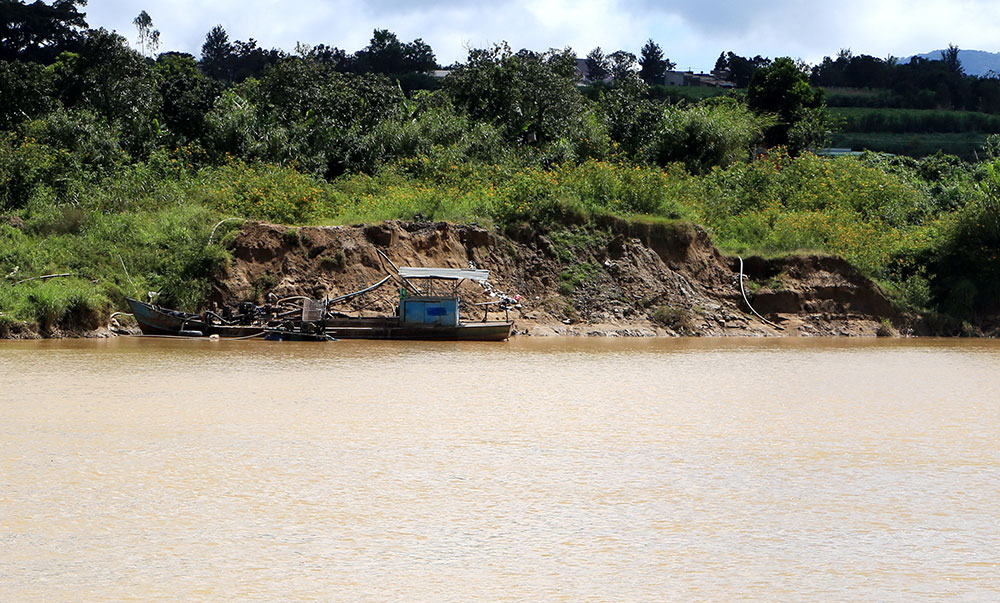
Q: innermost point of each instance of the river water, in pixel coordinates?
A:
(532, 470)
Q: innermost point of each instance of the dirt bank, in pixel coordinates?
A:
(617, 278)
(612, 278)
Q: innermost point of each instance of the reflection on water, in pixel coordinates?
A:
(552, 469)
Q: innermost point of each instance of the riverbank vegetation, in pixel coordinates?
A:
(117, 170)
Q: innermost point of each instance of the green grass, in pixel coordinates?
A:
(688, 93)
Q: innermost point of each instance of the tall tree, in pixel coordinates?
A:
(598, 68)
(720, 63)
(622, 64)
(384, 54)
(188, 95)
(532, 97)
(653, 64)
(950, 58)
(217, 54)
(38, 31)
(741, 69)
(25, 92)
(116, 82)
(418, 57)
(250, 60)
(149, 38)
(783, 90)
(328, 55)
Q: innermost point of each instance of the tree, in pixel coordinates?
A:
(598, 68)
(950, 58)
(740, 69)
(783, 90)
(418, 57)
(304, 111)
(39, 32)
(188, 95)
(630, 114)
(387, 55)
(622, 65)
(236, 61)
(250, 60)
(117, 83)
(25, 92)
(531, 97)
(149, 38)
(384, 54)
(328, 55)
(217, 54)
(720, 63)
(703, 136)
(653, 65)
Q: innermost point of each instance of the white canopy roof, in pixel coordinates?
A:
(454, 274)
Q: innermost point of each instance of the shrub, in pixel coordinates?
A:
(69, 303)
(704, 136)
(26, 164)
(885, 329)
(337, 261)
(262, 192)
(678, 319)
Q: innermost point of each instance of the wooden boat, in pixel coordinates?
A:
(418, 316)
(155, 320)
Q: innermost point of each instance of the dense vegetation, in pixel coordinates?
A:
(115, 167)
(913, 108)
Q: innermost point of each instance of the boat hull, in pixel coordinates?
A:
(390, 328)
(154, 320)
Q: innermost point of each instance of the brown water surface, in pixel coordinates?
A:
(538, 469)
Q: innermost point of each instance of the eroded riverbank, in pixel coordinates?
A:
(614, 278)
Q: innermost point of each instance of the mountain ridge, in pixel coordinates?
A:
(977, 63)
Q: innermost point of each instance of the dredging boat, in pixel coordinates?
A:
(420, 314)
(243, 321)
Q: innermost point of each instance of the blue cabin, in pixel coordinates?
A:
(429, 310)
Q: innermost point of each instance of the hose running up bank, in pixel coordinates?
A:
(743, 291)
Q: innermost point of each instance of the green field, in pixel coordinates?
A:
(967, 145)
(689, 93)
(859, 119)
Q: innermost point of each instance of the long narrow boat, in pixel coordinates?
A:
(155, 320)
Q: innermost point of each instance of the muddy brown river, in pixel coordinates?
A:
(533, 470)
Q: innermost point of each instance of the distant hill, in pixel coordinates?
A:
(974, 62)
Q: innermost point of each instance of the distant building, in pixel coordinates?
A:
(583, 73)
(690, 78)
(839, 152)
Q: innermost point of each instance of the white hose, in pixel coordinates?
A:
(748, 301)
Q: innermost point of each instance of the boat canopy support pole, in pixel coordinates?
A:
(415, 288)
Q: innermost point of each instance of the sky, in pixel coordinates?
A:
(691, 33)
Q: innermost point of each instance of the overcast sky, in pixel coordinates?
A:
(691, 32)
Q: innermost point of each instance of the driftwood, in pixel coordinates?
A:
(44, 277)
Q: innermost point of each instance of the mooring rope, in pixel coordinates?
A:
(202, 338)
(743, 291)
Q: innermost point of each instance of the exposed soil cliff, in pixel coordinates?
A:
(618, 278)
